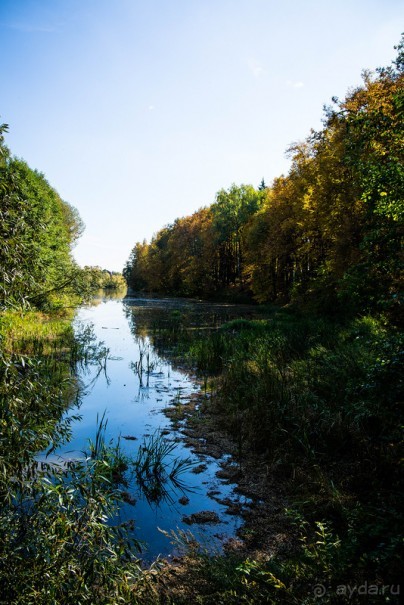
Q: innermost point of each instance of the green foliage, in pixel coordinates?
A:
(38, 231)
(318, 401)
(4, 153)
(231, 579)
(55, 543)
(231, 212)
(95, 278)
(373, 118)
(198, 255)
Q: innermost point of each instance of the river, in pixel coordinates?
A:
(133, 401)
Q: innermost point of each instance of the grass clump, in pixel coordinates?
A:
(156, 467)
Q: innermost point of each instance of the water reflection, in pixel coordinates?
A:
(138, 381)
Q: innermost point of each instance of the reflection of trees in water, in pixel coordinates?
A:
(88, 353)
(172, 325)
(103, 295)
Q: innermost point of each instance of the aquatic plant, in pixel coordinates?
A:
(55, 543)
(144, 365)
(157, 469)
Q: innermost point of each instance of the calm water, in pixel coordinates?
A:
(133, 408)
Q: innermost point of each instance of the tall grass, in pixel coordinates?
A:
(319, 400)
(158, 469)
(55, 544)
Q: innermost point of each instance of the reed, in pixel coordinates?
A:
(157, 469)
(55, 543)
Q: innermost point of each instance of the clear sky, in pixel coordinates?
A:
(139, 111)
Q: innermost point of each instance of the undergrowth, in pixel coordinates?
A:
(55, 543)
(319, 401)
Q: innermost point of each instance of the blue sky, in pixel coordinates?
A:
(138, 112)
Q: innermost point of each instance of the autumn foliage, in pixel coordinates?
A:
(328, 234)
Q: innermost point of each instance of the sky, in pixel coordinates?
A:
(139, 111)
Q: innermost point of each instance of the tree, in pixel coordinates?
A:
(329, 232)
(231, 212)
(373, 118)
(38, 230)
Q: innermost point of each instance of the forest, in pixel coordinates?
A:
(312, 387)
(326, 235)
(307, 390)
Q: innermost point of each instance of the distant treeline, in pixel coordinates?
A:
(328, 232)
(98, 278)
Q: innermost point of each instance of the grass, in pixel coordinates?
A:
(318, 401)
(156, 466)
(55, 544)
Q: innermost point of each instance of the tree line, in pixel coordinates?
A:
(102, 279)
(329, 231)
(38, 231)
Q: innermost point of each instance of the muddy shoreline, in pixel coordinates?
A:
(265, 529)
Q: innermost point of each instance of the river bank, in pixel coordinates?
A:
(263, 515)
(284, 418)
(294, 399)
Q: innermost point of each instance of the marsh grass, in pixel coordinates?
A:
(319, 401)
(157, 469)
(55, 543)
(145, 365)
(154, 471)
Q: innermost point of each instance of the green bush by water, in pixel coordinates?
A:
(55, 543)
